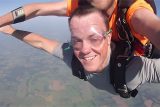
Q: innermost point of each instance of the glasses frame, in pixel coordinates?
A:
(104, 36)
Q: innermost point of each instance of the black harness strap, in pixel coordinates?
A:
(77, 68)
(119, 59)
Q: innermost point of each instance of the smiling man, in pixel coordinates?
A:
(89, 53)
(90, 42)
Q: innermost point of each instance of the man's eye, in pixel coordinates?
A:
(76, 41)
(96, 38)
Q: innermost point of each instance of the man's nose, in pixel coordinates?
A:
(86, 47)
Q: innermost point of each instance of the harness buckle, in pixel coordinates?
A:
(123, 91)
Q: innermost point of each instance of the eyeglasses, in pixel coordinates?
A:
(94, 41)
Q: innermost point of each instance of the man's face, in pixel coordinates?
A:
(102, 4)
(90, 46)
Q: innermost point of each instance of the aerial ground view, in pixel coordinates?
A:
(33, 78)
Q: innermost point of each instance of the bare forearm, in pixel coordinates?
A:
(6, 19)
(156, 34)
(153, 32)
(27, 37)
(37, 9)
(45, 9)
(35, 40)
(148, 26)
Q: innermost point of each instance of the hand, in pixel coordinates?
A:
(7, 29)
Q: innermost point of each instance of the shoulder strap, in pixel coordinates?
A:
(122, 26)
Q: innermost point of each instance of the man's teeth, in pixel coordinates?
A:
(89, 58)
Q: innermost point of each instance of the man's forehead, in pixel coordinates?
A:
(93, 19)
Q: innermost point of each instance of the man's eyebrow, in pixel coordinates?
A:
(95, 34)
(73, 37)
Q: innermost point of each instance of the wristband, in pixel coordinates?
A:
(18, 15)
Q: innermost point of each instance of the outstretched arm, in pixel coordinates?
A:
(147, 23)
(32, 39)
(37, 9)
